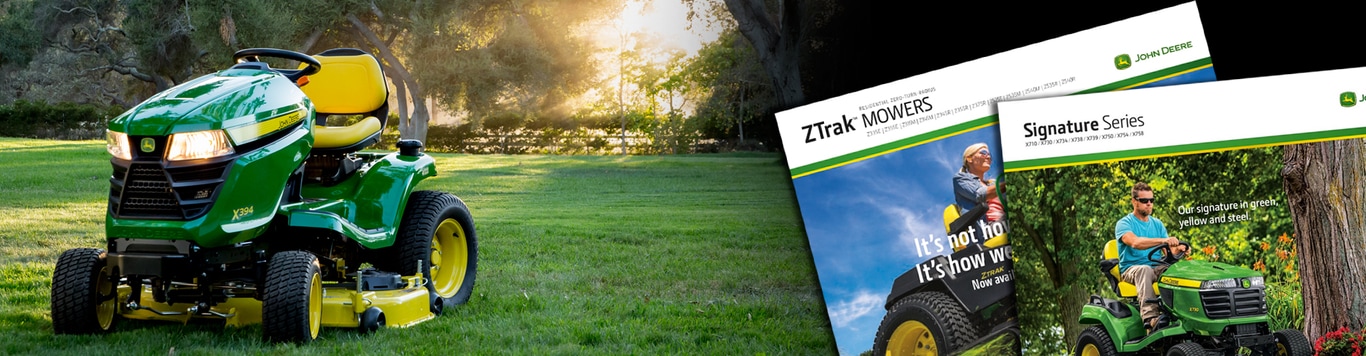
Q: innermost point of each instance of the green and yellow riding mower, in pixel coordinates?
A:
(1207, 308)
(231, 199)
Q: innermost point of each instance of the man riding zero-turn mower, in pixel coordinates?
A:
(1206, 308)
(929, 314)
(227, 202)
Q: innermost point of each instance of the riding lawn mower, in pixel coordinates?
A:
(231, 199)
(1206, 308)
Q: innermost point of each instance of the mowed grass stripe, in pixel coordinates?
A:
(693, 254)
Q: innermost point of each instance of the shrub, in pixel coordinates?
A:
(65, 121)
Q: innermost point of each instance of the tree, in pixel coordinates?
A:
(1326, 187)
(21, 39)
(490, 56)
(733, 88)
(777, 42)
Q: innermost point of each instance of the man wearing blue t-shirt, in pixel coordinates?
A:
(1139, 232)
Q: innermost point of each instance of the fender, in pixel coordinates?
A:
(373, 198)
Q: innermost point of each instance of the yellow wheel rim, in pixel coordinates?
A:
(1090, 350)
(912, 338)
(104, 311)
(1280, 349)
(449, 258)
(315, 306)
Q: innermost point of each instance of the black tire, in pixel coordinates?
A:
(84, 293)
(1291, 342)
(907, 322)
(1186, 349)
(291, 309)
(1095, 341)
(436, 224)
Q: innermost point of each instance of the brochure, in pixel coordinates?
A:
(896, 183)
(1221, 217)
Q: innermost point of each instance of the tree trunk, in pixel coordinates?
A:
(1327, 194)
(402, 100)
(1071, 302)
(776, 44)
(420, 114)
(309, 42)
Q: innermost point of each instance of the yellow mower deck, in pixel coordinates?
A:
(341, 307)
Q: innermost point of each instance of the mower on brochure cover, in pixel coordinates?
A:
(230, 199)
(949, 315)
(1206, 308)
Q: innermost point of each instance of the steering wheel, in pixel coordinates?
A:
(254, 54)
(1167, 257)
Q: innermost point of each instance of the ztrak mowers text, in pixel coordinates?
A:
(230, 199)
(1206, 308)
(950, 303)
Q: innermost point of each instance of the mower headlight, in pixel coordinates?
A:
(198, 145)
(1257, 282)
(117, 144)
(1220, 284)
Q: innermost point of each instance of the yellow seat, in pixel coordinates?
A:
(351, 82)
(1126, 289)
(342, 136)
(950, 214)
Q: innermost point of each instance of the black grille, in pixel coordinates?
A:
(146, 189)
(1233, 303)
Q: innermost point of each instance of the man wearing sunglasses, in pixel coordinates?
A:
(1138, 233)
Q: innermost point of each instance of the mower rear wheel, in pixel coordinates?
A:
(1094, 341)
(83, 293)
(925, 323)
(1187, 348)
(438, 230)
(292, 307)
(1291, 342)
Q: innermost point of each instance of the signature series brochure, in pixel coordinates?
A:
(1221, 217)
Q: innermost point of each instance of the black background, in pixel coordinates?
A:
(872, 43)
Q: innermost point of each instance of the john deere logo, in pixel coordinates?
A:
(1122, 62)
(148, 145)
(1347, 99)
(1247, 283)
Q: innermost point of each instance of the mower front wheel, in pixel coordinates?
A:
(83, 293)
(1094, 341)
(292, 307)
(437, 230)
(1291, 342)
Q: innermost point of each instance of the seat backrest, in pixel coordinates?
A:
(350, 82)
(1111, 255)
(950, 214)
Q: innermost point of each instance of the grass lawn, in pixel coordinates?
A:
(693, 254)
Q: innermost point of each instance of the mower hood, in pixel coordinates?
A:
(1208, 271)
(225, 99)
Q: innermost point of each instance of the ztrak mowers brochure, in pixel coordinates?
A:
(1232, 198)
(896, 183)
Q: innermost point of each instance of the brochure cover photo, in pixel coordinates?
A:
(1220, 217)
(897, 183)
